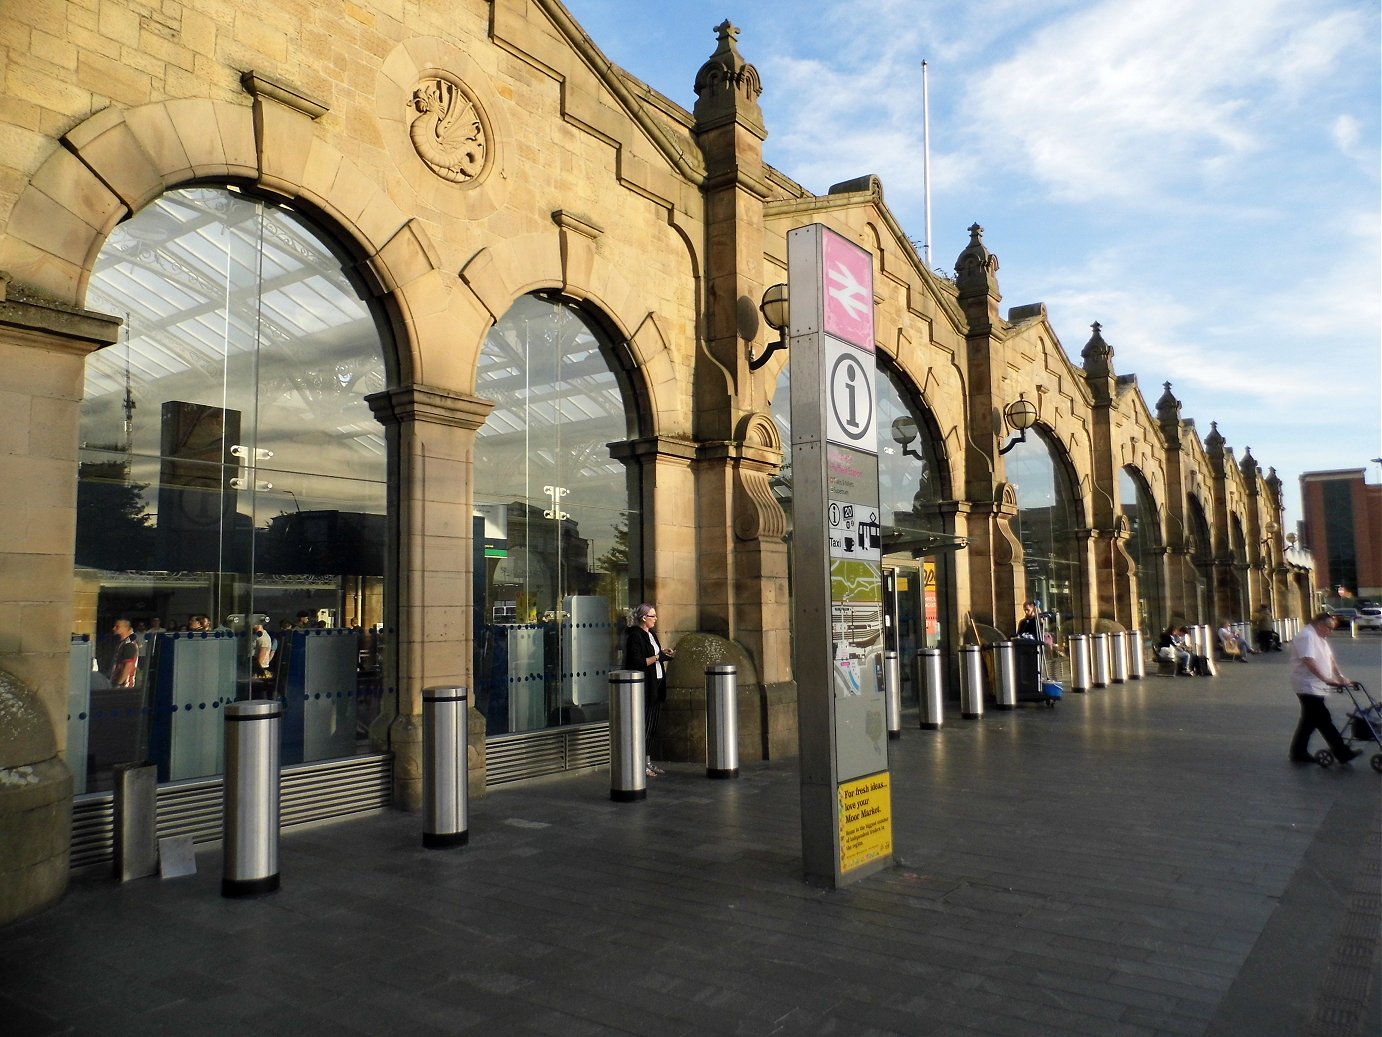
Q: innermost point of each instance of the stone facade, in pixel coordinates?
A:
(469, 153)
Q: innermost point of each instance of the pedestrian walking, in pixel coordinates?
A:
(1314, 671)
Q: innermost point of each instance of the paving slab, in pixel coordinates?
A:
(1141, 860)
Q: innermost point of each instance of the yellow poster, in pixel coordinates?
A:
(866, 820)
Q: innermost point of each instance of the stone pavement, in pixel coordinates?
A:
(1142, 860)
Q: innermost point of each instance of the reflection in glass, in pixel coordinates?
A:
(552, 526)
(230, 474)
(1144, 546)
(1047, 524)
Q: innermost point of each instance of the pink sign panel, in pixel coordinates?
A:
(848, 273)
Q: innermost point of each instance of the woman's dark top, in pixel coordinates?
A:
(638, 648)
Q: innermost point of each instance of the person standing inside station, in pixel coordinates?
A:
(1314, 672)
(125, 667)
(643, 652)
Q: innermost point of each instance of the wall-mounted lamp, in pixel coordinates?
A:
(777, 311)
(1020, 415)
(904, 434)
(1291, 539)
(1270, 529)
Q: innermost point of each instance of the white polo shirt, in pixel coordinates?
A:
(1308, 644)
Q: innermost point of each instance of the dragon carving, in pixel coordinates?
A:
(447, 133)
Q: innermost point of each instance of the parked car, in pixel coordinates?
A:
(1369, 619)
(1343, 617)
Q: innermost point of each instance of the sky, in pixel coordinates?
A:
(1202, 179)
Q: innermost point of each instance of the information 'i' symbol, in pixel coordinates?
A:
(852, 421)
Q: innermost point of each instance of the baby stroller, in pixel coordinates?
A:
(1363, 724)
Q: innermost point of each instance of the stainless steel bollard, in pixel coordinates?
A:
(251, 798)
(1079, 662)
(1137, 664)
(1005, 674)
(1118, 648)
(136, 820)
(445, 768)
(628, 777)
(971, 682)
(892, 693)
(1205, 645)
(930, 689)
(1098, 644)
(721, 721)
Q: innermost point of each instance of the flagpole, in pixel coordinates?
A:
(926, 160)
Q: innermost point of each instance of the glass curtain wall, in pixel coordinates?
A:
(552, 525)
(231, 491)
(1047, 524)
(1144, 545)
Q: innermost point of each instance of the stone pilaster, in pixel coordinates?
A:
(43, 348)
(430, 433)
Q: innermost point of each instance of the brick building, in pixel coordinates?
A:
(1343, 529)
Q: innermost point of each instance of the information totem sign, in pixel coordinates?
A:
(837, 589)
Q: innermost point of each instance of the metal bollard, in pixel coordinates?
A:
(1098, 644)
(930, 689)
(628, 778)
(251, 798)
(721, 721)
(1136, 663)
(892, 693)
(971, 682)
(1119, 650)
(1079, 662)
(445, 768)
(1204, 642)
(1005, 674)
(136, 820)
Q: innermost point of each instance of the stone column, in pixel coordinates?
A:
(430, 433)
(42, 351)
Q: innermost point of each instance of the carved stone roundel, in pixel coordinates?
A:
(449, 131)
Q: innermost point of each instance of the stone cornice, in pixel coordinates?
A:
(257, 85)
(429, 405)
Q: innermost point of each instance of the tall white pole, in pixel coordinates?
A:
(926, 160)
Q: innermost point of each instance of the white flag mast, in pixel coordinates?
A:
(926, 161)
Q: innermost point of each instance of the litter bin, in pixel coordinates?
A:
(445, 770)
(971, 682)
(930, 688)
(1079, 662)
(628, 776)
(1005, 674)
(1098, 648)
(1136, 664)
(1118, 647)
(250, 796)
(892, 694)
(721, 721)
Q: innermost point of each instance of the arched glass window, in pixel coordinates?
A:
(554, 533)
(231, 481)
(1201, 548)
(917, 549)
(1137, 506)
(1047, 522)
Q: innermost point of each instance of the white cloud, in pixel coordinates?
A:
(1128, 99)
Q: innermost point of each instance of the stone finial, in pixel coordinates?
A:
(1097, 353)
(727, 85)
(976, 267)
(1214, 442)
(1168, 407)
(1248, 465)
